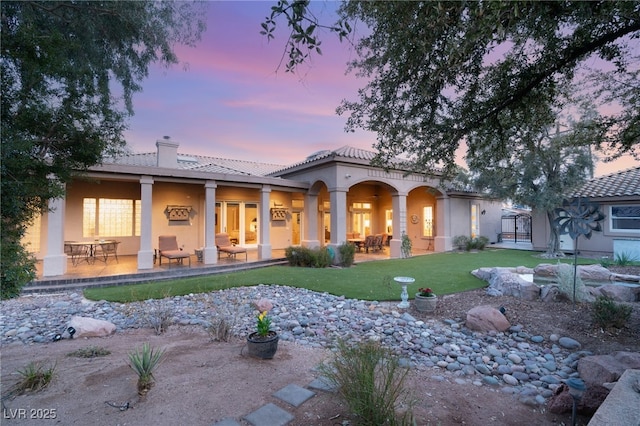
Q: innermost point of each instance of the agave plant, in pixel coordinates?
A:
(577, 217)
(144, 362)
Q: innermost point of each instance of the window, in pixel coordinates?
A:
(625, 218)
(475, 220)
(427, 225)
(31, 239)
(108, 217)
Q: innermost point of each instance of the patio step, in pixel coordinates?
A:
(60, 285)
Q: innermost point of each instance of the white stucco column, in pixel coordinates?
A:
(264, 229)
(399, 205)
(55, 261)
(209, 251)
(442, 241)
(145, 253)
(338, 199)
(310, 221)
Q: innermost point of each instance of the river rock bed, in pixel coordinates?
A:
(517, 361)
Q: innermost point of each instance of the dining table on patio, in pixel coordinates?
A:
(358, 242)
(87, 250)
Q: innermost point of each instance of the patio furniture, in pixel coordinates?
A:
(105, 249)
(168, 247)
(77, 251)
(370, 243)
(224, 245)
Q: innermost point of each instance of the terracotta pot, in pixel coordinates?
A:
(425, 304)
(263, 347)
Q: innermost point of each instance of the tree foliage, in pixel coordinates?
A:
(69, 72)
(442, 73)
(542, 166)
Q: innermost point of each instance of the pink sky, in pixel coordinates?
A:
(226, 99)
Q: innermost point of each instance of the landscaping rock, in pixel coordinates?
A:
(486, 318)
(90, 327)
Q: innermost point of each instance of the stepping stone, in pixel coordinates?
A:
(269, 415)
(323, 384)
(294, 394)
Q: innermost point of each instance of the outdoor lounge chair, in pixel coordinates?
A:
(224, 245)
(168, 247)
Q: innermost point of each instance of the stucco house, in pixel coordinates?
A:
(618, 195)
(324, 199)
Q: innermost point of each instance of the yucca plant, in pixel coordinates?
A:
(35, 377)
(144, 362)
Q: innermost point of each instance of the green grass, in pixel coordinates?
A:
(445, 273)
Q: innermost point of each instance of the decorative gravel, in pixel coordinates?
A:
(515, 361)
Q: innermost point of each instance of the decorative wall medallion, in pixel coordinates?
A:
(414, 219)
(178, 212)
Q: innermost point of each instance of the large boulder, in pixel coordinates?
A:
(90, 327)
(618, 293)
(586, 272)
(486, 318)
(507, 283)
(600, 369)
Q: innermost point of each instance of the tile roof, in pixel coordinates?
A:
(346, 151)
(625, 183)
(200, 163)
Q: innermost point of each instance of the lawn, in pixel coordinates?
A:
(445, 273)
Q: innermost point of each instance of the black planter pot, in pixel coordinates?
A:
(263, 347)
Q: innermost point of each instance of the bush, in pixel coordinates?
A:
(406, 245)
(347, 254)
(607, 313)
(34, 377)
(371, 381)
(307, 257)
(624, 259)
(461, 242)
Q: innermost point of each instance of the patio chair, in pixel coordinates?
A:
(224, 245)
(168, 247)
(108, 248)
(370, 243)
(76, 251)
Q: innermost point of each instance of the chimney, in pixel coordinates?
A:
(167, 153)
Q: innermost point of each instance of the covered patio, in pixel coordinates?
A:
(124, 271)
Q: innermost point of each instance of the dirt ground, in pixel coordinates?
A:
(201, 382)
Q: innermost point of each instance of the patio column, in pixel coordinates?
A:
(264, 229)
(55, 261)
(209, 251)
(399, 205)
(145, 254)
(338, 200)
(310, 215)
(443, 239)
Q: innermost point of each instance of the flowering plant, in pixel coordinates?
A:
(264, 324)
(426, 292)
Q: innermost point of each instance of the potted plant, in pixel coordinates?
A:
(425, 300)
(263, 343)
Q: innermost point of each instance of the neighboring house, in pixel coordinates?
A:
(138, 197)
(618, 195)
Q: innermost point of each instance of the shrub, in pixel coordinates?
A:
(607, 313)
(90, 352)
(35, 377)
(406, 245)
(371, 381)
(461, 242)
(144, 362)
(307, 257)
(159, 316)
(347, 254)
(624, 259)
